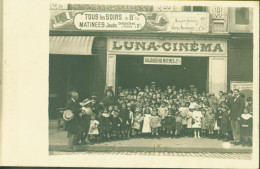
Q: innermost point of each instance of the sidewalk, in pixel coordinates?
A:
(58, 142)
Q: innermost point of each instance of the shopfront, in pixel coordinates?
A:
(167, 61)
(130, 45)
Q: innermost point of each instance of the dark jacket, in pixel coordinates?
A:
(73, 106)
(72, 126)
(236, 108)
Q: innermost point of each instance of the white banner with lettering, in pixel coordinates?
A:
(162, 60)
(177, 47)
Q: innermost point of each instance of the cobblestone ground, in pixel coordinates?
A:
(242, 156)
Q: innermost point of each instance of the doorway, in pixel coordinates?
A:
(130, 72)
(66, 73)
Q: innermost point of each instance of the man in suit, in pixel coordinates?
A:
(72, 126)
(236, 109)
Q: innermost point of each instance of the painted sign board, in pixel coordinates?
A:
(109, 21)
(189, 22)
(177, 47)
(140, 21)
(162, 60)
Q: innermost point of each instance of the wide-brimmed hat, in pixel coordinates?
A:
(68, 115)
(85, 102)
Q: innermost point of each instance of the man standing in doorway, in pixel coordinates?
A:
(236, 109)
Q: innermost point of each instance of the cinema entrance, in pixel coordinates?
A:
(203, 62)
(137, 70)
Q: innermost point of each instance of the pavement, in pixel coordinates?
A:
(239, 156)
(58, 142)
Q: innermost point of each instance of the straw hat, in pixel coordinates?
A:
(85, 102)
(68, 115)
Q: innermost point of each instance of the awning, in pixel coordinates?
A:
(76, 45)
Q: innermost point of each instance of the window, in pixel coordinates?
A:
(187, 8)
(194, 9)
(242, 16)
(199, 9)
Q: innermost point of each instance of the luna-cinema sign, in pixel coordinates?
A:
(176, 47)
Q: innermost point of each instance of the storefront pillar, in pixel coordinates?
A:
(111, 71)
(217, 74)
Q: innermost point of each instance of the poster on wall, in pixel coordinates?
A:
(244, 87)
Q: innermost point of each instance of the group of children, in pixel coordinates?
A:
(153, 113)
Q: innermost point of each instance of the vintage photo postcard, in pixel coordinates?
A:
(150, 84)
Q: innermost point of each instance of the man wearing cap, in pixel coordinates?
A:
(72, 125)
(236, 110)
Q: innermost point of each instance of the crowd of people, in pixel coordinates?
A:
(155, 113)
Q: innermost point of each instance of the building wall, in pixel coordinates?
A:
(99, 51)
(222, 21)
(240, 58)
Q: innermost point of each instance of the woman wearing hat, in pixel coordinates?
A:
(109, 98)
(84, 121)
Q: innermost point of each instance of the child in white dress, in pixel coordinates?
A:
(93, 129)
(147, 124)
(196, 115)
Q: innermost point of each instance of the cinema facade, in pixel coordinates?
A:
(93, 46)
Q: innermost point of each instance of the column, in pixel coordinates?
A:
(111, 71)
(217, 74)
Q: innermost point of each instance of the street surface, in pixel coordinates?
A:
(198, 147)
(241, 156)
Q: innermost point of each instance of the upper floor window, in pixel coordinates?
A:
(242, 16)
(194, 8)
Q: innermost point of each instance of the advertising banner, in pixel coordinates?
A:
(109, 21)
(142, 18)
